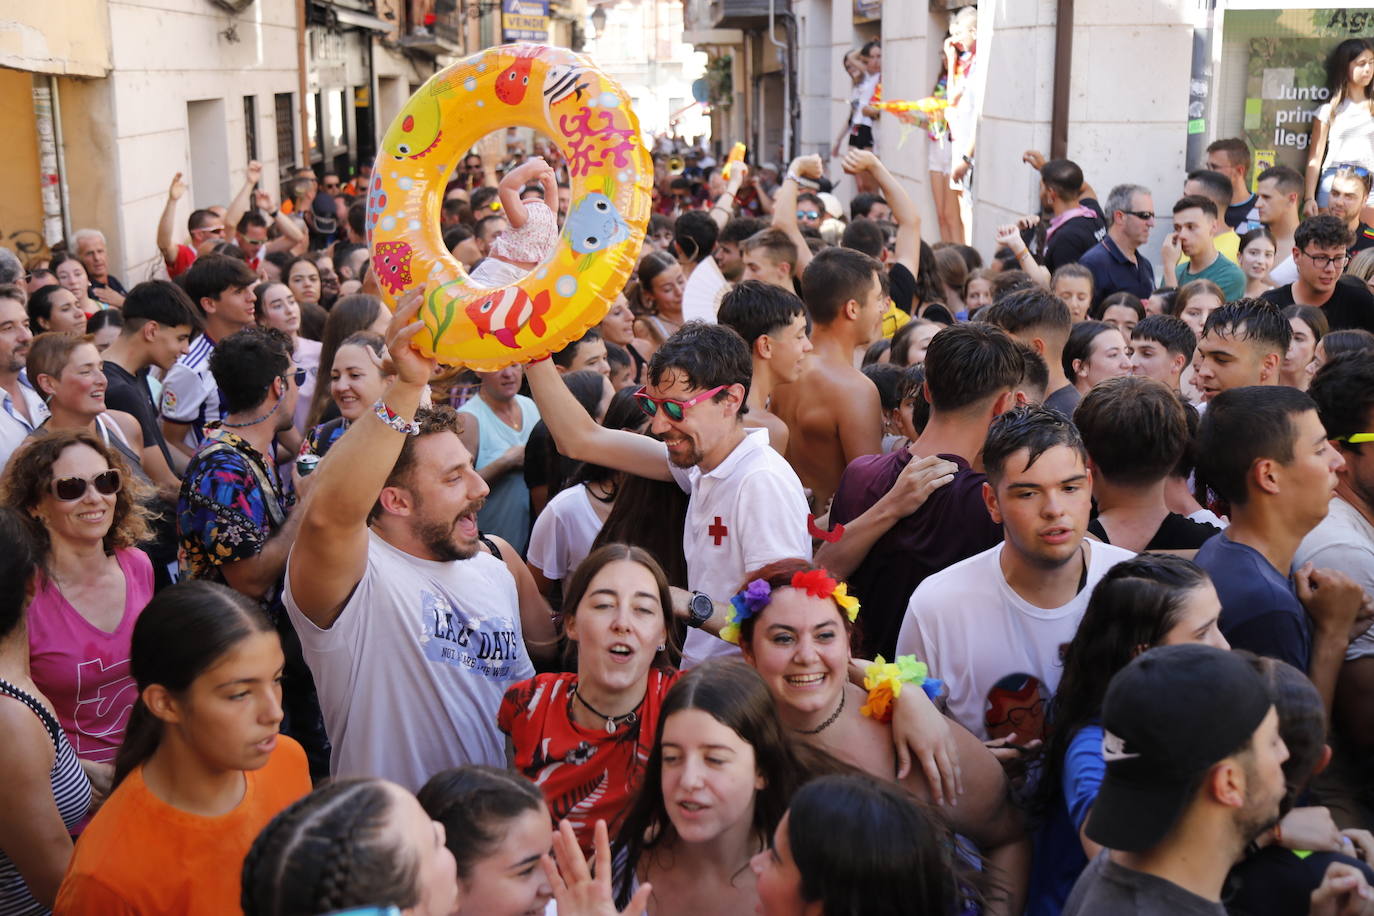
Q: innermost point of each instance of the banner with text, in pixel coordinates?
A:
(525, 20)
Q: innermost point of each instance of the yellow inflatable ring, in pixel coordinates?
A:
(588, 115)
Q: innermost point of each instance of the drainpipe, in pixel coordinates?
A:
(302, 86)
(785, 60)
(1063, 69)
(52, 165)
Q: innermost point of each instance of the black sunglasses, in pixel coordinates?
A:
(70, 489)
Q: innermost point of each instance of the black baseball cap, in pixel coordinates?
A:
(1169, 716)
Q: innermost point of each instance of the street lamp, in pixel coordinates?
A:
(599, 20)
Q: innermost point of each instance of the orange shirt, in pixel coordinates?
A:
(140, 855)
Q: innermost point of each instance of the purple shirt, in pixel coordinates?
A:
(953, 524)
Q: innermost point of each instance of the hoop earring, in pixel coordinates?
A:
(662, 646)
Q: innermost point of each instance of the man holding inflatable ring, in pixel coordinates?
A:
(746, 506)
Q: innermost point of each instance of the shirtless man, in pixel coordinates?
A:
(773, 323)
(771, 256)
(833, 410)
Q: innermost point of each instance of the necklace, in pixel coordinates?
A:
(828, 722)
(612, 722)
(253, 422)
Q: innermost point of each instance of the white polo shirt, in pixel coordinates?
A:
(14, 429)
(747, 512)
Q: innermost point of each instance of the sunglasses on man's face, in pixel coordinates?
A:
(300, 375)
(70, 489)
(673, 409)
(809, 214)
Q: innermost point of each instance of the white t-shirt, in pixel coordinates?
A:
(411, 675)
(190, 393)
(991, 646)
(863, 95)
(745, 513)
(705, 287)
(564, 532)
(1350, 134)
(1284, 272)
(1344, 541)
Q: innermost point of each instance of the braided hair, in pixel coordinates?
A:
(329, 851)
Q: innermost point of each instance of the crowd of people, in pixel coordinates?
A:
(299, 621)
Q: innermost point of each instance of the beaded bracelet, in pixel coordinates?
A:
(883, 680)
(394, 420)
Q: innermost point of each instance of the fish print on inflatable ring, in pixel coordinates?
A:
(587, 115)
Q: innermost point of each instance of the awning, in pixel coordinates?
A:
(360, 20)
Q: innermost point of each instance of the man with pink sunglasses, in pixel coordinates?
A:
(746, 506)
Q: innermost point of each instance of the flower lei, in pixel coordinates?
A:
(756, 596)
(883, 680)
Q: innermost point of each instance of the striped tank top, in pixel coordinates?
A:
(70, 789)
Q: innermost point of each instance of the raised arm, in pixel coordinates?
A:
(244, 198)
(166, 225)
(724, 206)
(579, 437)
(330, 552)
(908, 218)
(785, 205)
(510, 187)
(1010, 236)
(291, 233)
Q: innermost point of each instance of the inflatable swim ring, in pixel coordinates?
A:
(588, 116)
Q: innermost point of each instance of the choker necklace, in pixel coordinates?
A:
(828, 722)
(613, 723)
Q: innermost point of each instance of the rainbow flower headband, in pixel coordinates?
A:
(755, 596)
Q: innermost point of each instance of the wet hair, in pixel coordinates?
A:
(1172, 332)
(475, 804)
(1121, 297)
(862, 204)
(695, 235)
(639, 292)
(708, 355)
(182, 633)
(1134, 429)
(568, 354)
(1063, 177)
(28, 480)
(1256, 320)
(1031, 309)
(246, 363)
(161, 301)
(1079, 347)
(754, 308)
(1325, 231)
(866, 847)
(39, 307)
(1035, 428)
(349, 315)
(736, 696)
(1347, 340)
(581, 579)
(334, 849)
(970, 363)
(1131, 609)
(19, 560)
(210, 275)
(1242, 426)
(1166, 297)
(834, 277)
(1343, 390)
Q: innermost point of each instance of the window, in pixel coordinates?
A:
(286, 130)
(250, 125)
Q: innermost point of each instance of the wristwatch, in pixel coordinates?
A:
(699, 609)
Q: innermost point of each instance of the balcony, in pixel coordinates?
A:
(741, 14)
(441, 32)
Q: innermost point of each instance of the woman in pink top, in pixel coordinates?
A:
(84, 511)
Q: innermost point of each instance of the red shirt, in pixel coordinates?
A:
(585, 774)
(186, 256)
